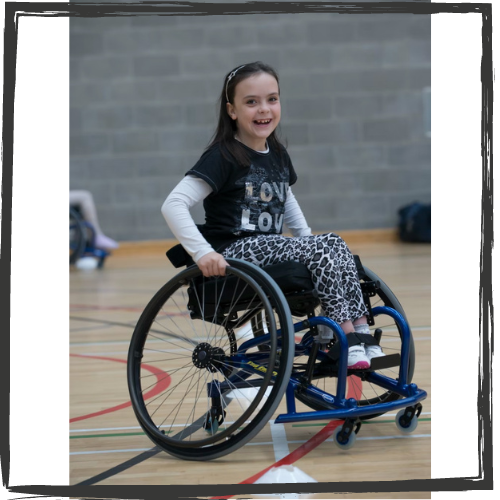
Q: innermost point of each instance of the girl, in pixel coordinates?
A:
(244, 179)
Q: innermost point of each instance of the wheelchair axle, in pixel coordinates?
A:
(206, 356)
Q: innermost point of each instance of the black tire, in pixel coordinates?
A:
(77, 238)
(363, 391)
(192, 332)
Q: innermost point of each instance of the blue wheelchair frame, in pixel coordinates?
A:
(344, 408)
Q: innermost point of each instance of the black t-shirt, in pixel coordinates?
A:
(245, 201)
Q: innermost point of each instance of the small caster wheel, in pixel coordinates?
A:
(213, 420)
(405, 423)
(212, 427)
(342, 441)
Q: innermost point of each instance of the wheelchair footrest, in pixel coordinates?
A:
(385, 362)
(329, 367)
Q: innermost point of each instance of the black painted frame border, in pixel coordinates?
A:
(484, 480)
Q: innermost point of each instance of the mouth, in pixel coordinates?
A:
(263, 122)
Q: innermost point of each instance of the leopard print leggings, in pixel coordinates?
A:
(331, 264)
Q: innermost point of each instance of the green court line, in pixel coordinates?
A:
(108, 435)
(363, 422)
(111, 435)
(122, 434)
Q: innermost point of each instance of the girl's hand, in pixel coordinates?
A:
(212, 264)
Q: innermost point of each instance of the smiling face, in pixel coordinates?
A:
(256, 108)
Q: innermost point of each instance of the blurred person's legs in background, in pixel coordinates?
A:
(85, 202)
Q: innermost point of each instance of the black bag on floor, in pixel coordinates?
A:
(415, 223)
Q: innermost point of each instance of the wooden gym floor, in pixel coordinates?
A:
(104, 433)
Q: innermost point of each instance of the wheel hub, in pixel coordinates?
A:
(208, 357)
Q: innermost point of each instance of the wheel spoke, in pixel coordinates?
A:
(191, 331)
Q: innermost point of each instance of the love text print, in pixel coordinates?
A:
(269, 196)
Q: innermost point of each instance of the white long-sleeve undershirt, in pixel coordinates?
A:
(192, 190)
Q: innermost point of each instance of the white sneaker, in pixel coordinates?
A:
(373, 351)
(357, 359)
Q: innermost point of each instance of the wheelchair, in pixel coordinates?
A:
(82, 238)
(211, 359)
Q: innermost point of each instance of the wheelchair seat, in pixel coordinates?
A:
(293, 278)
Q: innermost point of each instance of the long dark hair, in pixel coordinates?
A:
(226, 126)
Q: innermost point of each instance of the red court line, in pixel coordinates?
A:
(304, 449)
(162, 382)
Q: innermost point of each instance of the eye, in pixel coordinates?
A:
(251, 101)
(273, 99)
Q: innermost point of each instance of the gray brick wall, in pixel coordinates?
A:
(143, 107)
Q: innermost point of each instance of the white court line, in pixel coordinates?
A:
(118, 342)
(410, 436)
(119, 353)
(137, 427)
(280, 441)
(137, 450)
(123, 353)
(91, 344)
(107, 429)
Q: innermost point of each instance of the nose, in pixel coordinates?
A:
(263, 107)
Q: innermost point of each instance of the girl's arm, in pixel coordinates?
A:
(190, 191)
(294, 218)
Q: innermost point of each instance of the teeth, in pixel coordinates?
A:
(262, 121)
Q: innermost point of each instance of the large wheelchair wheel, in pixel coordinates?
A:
(77, 236)
(201, 385)
(358, 386)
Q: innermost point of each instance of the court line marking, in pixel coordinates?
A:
(137, 427)
(146, 454)
(124, 353)
(324, 434)
(299, 453)
(98, 344)
(100, 452)
(163, 380)
(170, 351)
(120, 353)
(104, 342)
(280, 440)
(131, 324)
(127, 342)
(266, 443)
(304, 448)
(96, 307)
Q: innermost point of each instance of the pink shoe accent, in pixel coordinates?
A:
(359, 365)
(357, 360)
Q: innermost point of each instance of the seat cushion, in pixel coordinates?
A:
(290, 276)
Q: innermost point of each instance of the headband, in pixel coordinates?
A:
(231, 75)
